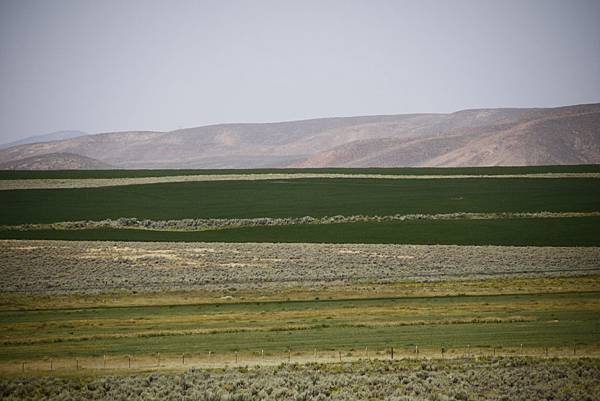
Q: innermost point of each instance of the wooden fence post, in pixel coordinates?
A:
(236, 357)
(392, 353)
(76, 363)
(158, 359)
(289, 355)
(183, 359)
(51, 367)
(129, 361)
(340, 354)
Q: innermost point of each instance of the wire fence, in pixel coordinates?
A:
(261, 357)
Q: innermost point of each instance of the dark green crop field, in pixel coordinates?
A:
(298, 198)
(65, 174)
(580, 231)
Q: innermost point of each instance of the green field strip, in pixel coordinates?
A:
(555, 320)
(133, 312)
(583, 231)
(537, 334)
(298, 198)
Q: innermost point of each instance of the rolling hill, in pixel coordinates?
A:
(53, 136)
(483, 137)
(55, 161)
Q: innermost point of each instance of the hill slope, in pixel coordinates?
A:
(55, 161)
(487, 137)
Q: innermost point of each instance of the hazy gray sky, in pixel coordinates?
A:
(102, 65)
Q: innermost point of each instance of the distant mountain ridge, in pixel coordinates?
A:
(53, 136)
(484, 137)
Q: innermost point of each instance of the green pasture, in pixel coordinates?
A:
(579, 231)
(298, 198)
(533, 320)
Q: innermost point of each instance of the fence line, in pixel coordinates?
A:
(262, 358)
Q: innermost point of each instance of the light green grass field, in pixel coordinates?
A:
(494, 320)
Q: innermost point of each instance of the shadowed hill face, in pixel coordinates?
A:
(565, 135)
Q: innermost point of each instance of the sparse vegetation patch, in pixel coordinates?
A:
(54, 267)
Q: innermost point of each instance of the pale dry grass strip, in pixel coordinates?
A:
(110, 182)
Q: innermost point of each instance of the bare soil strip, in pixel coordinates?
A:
(220, 224)
(109, 182)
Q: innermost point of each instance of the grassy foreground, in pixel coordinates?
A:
(535, 320)
(536, 313)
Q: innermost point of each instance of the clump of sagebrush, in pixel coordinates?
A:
(489, 379)
(216, 224)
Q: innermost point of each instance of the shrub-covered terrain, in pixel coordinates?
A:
(505, 379)
(51, 267)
